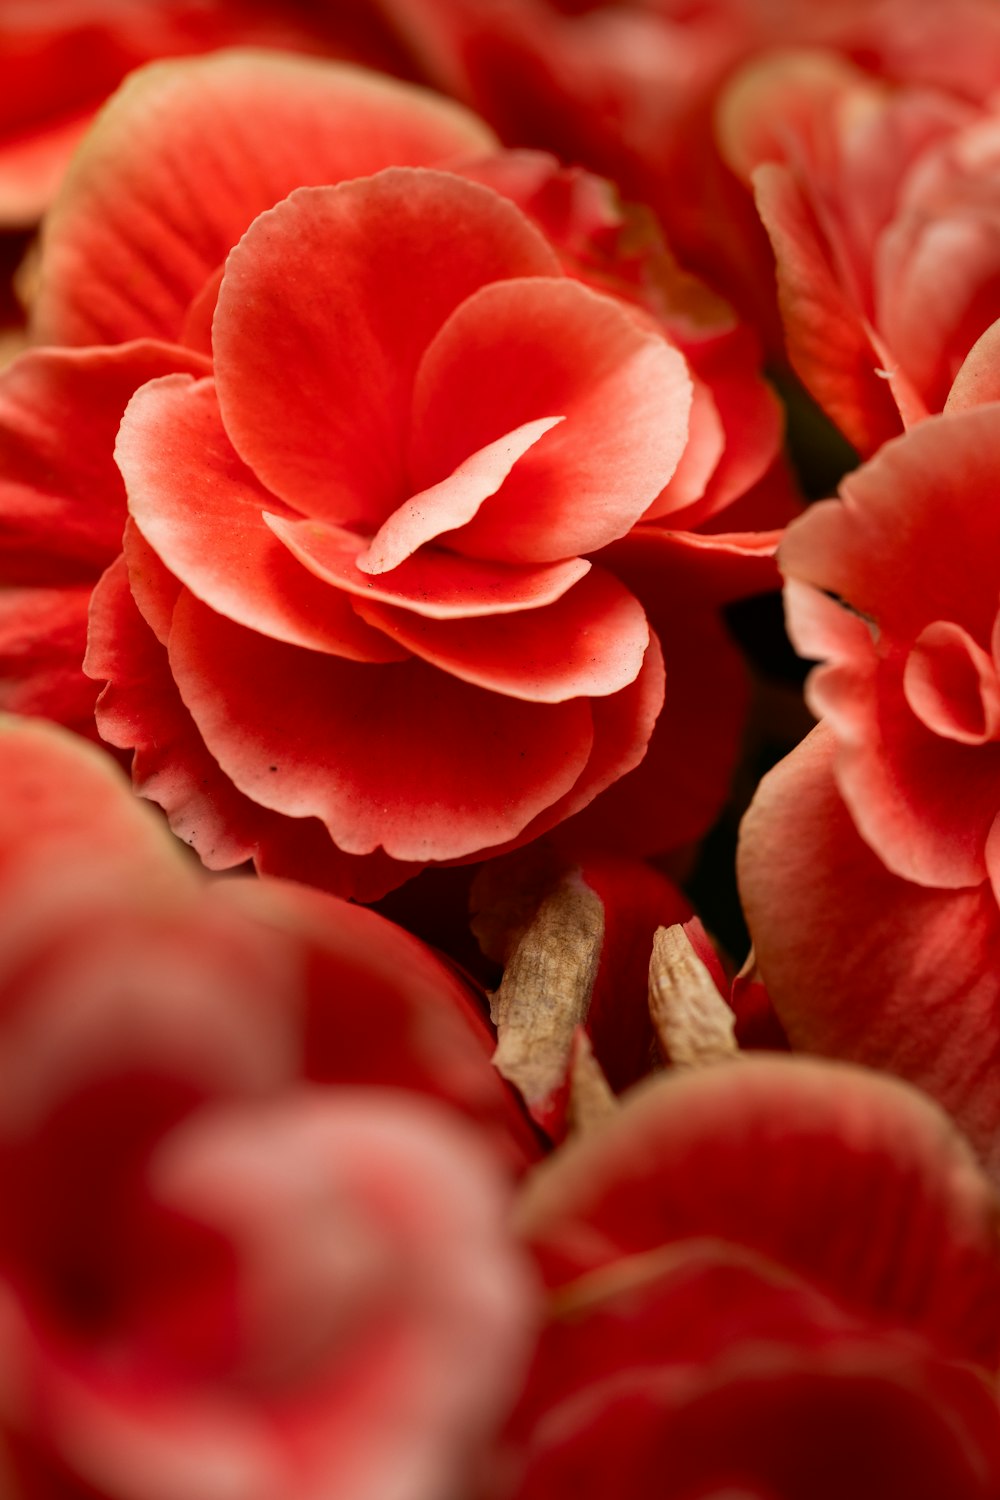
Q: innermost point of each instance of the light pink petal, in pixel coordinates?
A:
(342, 288)
(951, 684)
(401, 756)
(862, 965)
(453, 501)
(591, 641)
(378, 1274)
(825, 332)
(978, 378)
(201, 510)
(188, 154)
(62, 506)
(518, 350)
(436, 584)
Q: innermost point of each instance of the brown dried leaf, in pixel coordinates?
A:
(692, 1021)
(592, 1101)
(545, 994)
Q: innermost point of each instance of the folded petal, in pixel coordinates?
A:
(436, 584)
(523, 349)
(589, 642)
(202, 511)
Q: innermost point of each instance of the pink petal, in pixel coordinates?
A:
(187, 155)
(400, 756)
(591, 641)
(62, 506)
(518, 350)
(66, 806)
(201, 510)
(827, 339)
(342, 288)
(978, 378)
(435, 584)
(865, 966)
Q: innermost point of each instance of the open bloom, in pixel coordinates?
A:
(772, 1277)
(401, 468)
(869, 858)
(881, 204)
(252, 1241)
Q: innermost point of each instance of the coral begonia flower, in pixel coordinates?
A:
(893, 590)
(427, 473)
(881, 204)
(252, 1242)
(369, 528)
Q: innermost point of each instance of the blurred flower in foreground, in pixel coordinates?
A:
(252, 1243)
(771, 1277)
(428, 442)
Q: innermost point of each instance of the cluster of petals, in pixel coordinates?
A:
(402, 460)
(770, 1277)
(630, 90)
(880, 203)
(869, 862)
(255, 1170)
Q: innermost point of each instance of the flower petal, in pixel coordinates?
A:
(201, 510)
(520, 349)
(589, 642)
(862, 965)
(186, 155)
(435, 583)
(400, 756)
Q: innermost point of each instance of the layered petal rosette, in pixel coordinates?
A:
(253, 1240)
(418, 470)
(362, 542)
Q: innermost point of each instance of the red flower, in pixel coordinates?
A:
(240, 1254)
(881, 205)
(371, 613)
(769, 1277)
(868, 863)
